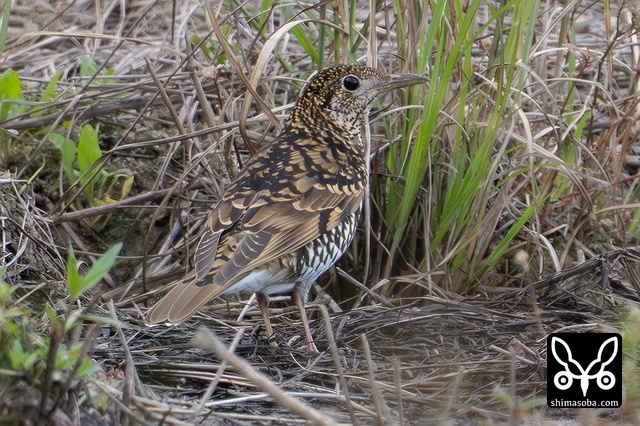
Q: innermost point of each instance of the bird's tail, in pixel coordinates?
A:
(184, 299)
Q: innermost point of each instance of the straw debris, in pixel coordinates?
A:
(441, 318)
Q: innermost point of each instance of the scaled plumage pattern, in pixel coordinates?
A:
(293, 210)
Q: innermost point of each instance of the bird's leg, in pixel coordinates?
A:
(263, 303)
(299, 301)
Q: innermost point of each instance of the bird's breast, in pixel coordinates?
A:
(316, 257)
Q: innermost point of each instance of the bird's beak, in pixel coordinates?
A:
(397, 81)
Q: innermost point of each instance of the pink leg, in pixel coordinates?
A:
(305, 322)
(263, 304)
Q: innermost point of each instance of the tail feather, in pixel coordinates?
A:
(182, 301)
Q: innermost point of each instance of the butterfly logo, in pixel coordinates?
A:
(564, 379)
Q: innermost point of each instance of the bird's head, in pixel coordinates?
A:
(342, 95)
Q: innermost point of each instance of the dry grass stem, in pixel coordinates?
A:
(502, 206)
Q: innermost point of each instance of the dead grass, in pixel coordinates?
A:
(462, 360)
(422, 354)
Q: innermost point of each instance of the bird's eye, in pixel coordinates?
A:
(351, 82)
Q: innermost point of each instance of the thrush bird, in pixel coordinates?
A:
(293, 210)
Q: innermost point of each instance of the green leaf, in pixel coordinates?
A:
(88, 153)
(88, 67)
(32, 178)
(64, 360)
(87, 368)
(89, 70)
(103, 320)
(16, 355)
(306, 44)
(73, 279)
(20, 360)
(10, 90)
(10, 85)
(6, 13)
(196, 40)
(498, 252)
(38, 340)
(48, 93)
(5, 296)
(73, 320)
(88, 148)
(99, 270)
(69, 152)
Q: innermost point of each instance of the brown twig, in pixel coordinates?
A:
(132, 201)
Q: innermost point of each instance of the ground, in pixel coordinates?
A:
(440, 318)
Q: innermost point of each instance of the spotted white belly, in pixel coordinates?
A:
(305, 267)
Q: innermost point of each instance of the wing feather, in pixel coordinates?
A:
(276, 206)
(206, 253)
(279, 229)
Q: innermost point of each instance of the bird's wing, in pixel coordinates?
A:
(274, 229)
(272, 209)
(224, 216)
(264, 233)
